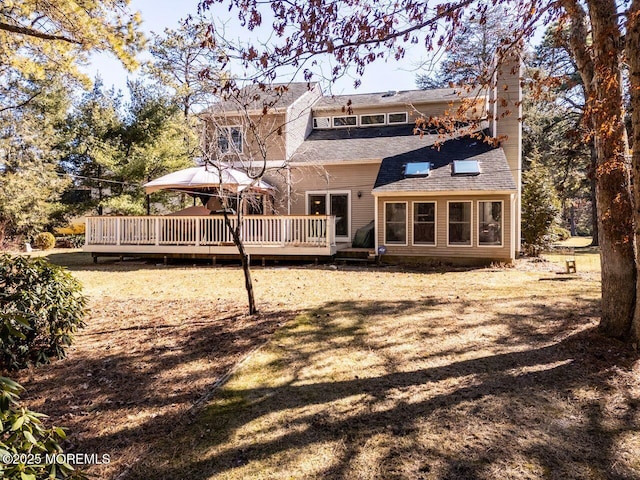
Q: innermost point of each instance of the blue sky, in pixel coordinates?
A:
(160, 14)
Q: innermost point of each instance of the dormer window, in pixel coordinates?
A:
(400, 117)
(321, 122)
(345, 121)
(371, 120)
(417, 169)
(465, 167)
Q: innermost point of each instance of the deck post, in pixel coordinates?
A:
(118, 230)
(157, 229)
(197, 232)
(283, 231)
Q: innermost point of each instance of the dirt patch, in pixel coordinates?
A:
(136, 369)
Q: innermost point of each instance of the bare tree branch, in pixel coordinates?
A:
(32, 32)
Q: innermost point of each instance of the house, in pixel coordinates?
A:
(349, 160)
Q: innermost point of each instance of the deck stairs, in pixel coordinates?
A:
(355, 255)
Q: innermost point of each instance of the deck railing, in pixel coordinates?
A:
(303, 230)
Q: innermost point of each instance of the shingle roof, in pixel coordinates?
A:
(495, 174)
(396, 146)
(392, 98)
(284, 94)
(348, 144)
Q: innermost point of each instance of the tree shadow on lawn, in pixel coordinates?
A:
(137, 368)
(546, 397)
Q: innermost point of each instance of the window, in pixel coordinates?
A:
(338, 203)
(377, 119)
(424, 223)
(348, 121)
(459, 223)
(230, 140)
(395, 223)
(322, 122)
(397, 117)
(466, 167)
(490, 223)
(255, 204)
(417, 169)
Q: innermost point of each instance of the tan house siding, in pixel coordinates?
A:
(267, 131)
(442, 250)
(433, 109)
(507, 120)
(352, 178)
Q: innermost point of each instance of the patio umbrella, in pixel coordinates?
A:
(205, 177)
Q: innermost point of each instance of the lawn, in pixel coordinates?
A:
(348, 372)
(587, 258)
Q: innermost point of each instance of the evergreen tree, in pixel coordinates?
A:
(540, 206)
(470, 58)
(30, 186)
(156, 141)
(93, 149)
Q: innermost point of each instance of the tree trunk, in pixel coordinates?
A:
(633, 60)
(613, 193)
(244, 258)
(594, 200)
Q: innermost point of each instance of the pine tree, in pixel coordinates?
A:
(540, 206)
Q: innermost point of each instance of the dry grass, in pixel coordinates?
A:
(587, 258)
(377, 373)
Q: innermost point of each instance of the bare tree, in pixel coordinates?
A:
(240, 131)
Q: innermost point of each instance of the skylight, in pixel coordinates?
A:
(466, 167)
(417, 169)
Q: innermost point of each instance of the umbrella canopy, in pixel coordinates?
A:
(204, 177)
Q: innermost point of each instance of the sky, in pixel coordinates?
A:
(160, 14)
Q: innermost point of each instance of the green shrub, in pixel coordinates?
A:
(70, 241)
(28, 450)
(44, 241)
(559, 233)
(41, 307)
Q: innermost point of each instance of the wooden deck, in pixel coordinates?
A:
(300, 236)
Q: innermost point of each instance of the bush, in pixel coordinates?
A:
(559, 233)
(44, 241)
(26, 442)
(41, 308)
(70, 241)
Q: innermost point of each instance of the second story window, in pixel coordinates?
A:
(346, 121)
(375, 119)
(400, 117)
(230, 140)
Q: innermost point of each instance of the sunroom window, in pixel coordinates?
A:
(460, 223)
(395, 223)
(424, 223)
(490, 223)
